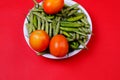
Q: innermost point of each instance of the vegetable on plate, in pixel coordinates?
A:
(59, 46)
(39, 40)
(52, 6)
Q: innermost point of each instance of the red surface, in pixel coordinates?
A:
(100, 62)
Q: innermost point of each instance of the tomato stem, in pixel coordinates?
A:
(36, 3)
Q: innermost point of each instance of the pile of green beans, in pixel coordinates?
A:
(70, 22)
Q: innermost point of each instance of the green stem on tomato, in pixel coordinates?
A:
(36, 3)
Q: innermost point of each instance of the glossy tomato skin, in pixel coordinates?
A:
(39, 40)
(53, 6)
(59, 46)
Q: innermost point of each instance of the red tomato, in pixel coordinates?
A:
(59, 46)
(53, 6)
(39, 40)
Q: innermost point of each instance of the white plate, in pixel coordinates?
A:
(68, 2)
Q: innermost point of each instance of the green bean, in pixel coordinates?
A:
(68, 29)
(43, 25)
(46, 27)
(82, 37)
(81, 33)
(41, 16)
(85, 39)
(73, 30)
(29, 27)
(35, 22)
(80, 22)
(72, 12)
(74, 45)
(87, 25)
(76, 18)
(57, 28)
(67, 10)
(84, 21)
(50, 17)
(58, 19)
(66, 34)
(50, 30)
(33, 28)
(39, 23)
(31, 22)
(77, 36)
(64, 22)
(61, 32)
(76, 8)
(83, 44)
(73, 35)
(89, 31)
(54, 27)
(85, 30)
(70, 39)
(78, 13)
(80, 29)
(71, 7)
(72, 24)
(31, 18)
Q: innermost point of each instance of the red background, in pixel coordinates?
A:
(100, 62)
